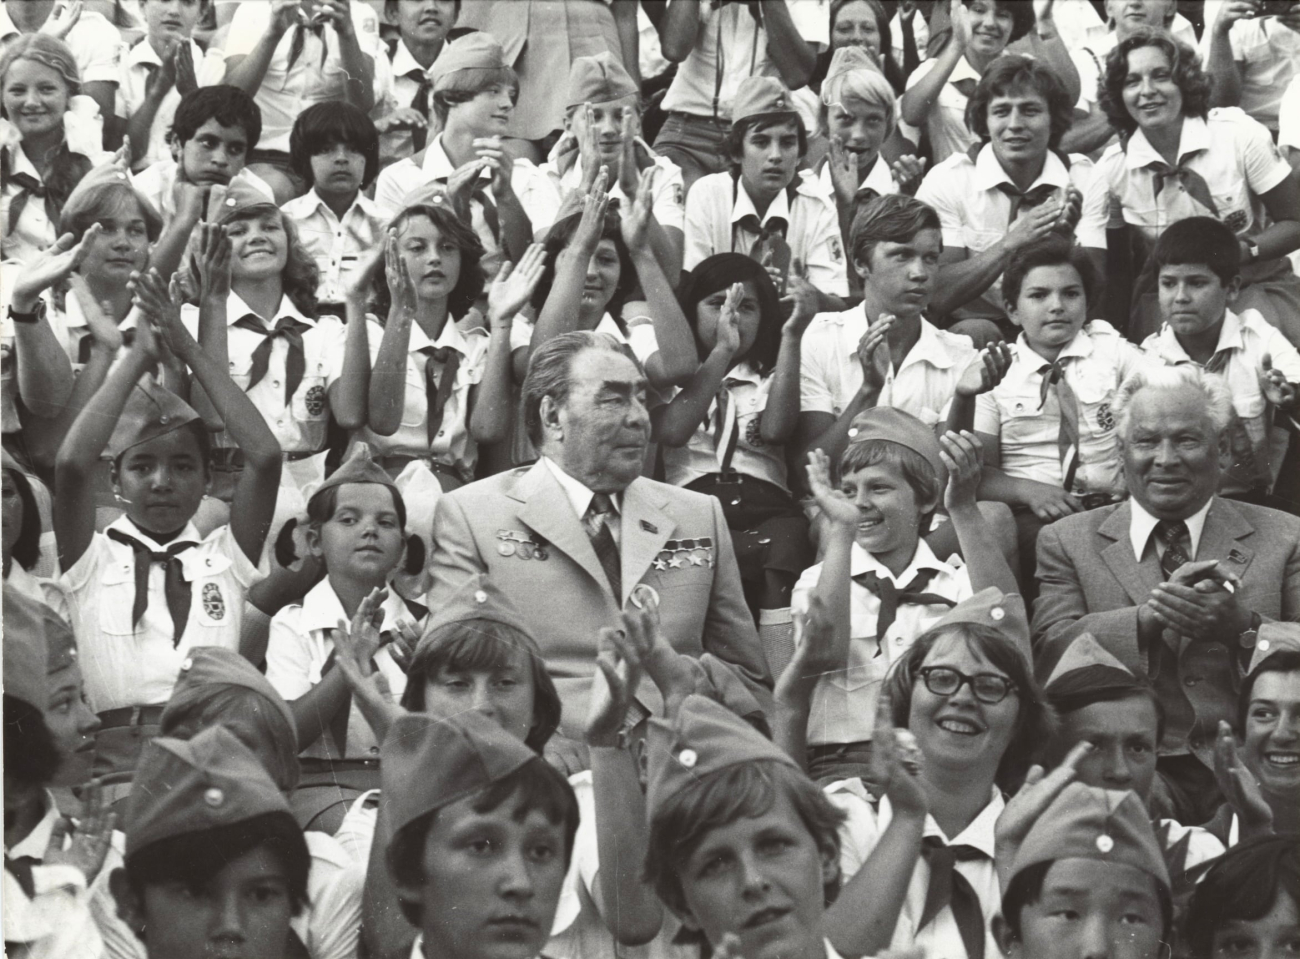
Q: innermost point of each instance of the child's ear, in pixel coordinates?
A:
(862, 268)
(130, 909)
(1233, 288)
(1002, 934)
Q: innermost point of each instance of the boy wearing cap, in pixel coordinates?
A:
(602, 128)
(150, 586)
(881, 582)
(765, 207)
(1087, 878)
(473, 93)
(214, 861)
(482, 831)
(743, 846)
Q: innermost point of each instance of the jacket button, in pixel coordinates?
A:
(1191, 680)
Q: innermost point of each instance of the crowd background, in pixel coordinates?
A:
(766, 479)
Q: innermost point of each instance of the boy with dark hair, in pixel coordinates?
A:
(765, 207)
(335, 149)
(1092, 857)
(482, 831)
(422, 27)
(1248, 904)
(213, 856)
(1198, 262)
(880, 580)
(721, 799)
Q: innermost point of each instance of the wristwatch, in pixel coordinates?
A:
(1246, 639)
(31, 317)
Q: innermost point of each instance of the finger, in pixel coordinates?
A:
(58, 834)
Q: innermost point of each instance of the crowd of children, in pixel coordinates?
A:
(896, 276)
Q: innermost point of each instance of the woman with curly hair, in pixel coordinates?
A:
(1178, 158)
(436, 391)
(47, 143)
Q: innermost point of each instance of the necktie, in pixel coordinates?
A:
(20, 867)
(948, 887)
(31, 187)
(300, 40)
(490, 216)
(1193, 183)
(437, 388)
(1219, 362)
(966, 87)
(913, 594)
(176, 587)
(773, 232)
(725, 434)
(295, 364)
(1173, 535)
(1067, 437)
(1026, 199)
(420, 104)
(602, 540)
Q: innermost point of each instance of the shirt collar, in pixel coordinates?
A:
(744, 206)
(20, 164)
(1171, 350)
(438, 166)
(989, 172)
(1079, 347)
(1194, 138)
(36, 842)
(450, 336)
(928, 349)
(124, 525)
(963, 71)
(313, 202)
(860, 561)
(404, 61)
(1142, 524)
(579, 496)
(879, 178)
(743, 372)
(237, 309)
(322, 608)
(978, 834)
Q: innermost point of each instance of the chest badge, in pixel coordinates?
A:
(315, 401)
(214, 604)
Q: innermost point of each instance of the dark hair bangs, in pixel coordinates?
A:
(31, 755)
(1200, 241)
(324, 503)
(1026, 888)
(717, 273)
(324, 125)
(1243, 885)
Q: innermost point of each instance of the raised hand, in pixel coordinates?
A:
(622, 668)
(564, 153)
(834, 503)
(1273, 384)
(728, 332)
(337, 13)
(803, 299)
(403, 119)
(363, 280)
(1071, 210)
(514, 286)
(676, 675)
(843, 165)
(1039, 791)
(896, 761)
(908, 173)
(62, 20)
(401, 288)
(92, 839)
(182, 67)
(635, 222)
(460, 185)
(959, 18)
(284, 15)
(489, 149)
(49, 267)
(589, 149)
(594, 204)
(874, 361)
(161, 302)
(1239, 786)
(986, 371)
(103, 329)
(816, 656)
(1231, 12)
(627, 168)
(212, 261)
(403, 639)
(961, 454)
(768, 263)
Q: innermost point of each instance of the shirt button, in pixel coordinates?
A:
(374, 750)
(276, 384)
(442, 432)
(1191, 680)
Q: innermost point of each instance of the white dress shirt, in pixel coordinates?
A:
(141, 62)
(1142, 524)
(580, 498)
(339, 246)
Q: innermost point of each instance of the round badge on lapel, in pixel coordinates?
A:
(688, 758)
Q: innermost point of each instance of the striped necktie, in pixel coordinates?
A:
(1174, 536)
(596, 523)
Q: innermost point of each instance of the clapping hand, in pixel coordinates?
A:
(635, 222)
(961, 454)
(622, 668)
(401, 288)
(675, 674)
(1034, 223)
(564, 153)
(1071, 208)
(874, 361)
(1239, 786)
(986, 371)
(960, 18)
(728, 330)
(461, 183)
(49, 267)
(1273, 384)
(843, 165)
(1039, 791)
(514, 286)
(493, 154)
(1199, 606)
(92, 839)
(834, 503)
(594, 205)
(212, 261)
(802, 298)
(161, 302)
(908, 173)
(62, 20)
(816, 656)
(896, 761)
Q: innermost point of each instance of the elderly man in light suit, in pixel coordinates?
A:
(580, 534)
(1175, 581)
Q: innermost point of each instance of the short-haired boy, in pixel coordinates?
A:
(765, 207)
(1049, 435)
(1088, 878)
(335, 149)
(743, 846)
(1199, 274)
(602, 129)
(482, 831)
(1248, 904)
(403, 116)
(213, 856)
(162, 66)
(149, 587)
(879, 579)
(473, 95)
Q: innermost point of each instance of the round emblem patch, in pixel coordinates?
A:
(754, 431)
(1105, 417)
(315, 401)
(213, 603)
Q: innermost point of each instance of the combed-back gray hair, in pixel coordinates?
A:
(1217, 398)
(549, 372)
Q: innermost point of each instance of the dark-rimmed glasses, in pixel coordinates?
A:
(989, 688)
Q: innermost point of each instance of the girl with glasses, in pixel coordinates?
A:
(956, 721)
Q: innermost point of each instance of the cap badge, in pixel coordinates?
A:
(214, 797)
(1263, 645)
(1105, 844)
(998, 613)
(480, 596)
(187, 665)
(688, 758)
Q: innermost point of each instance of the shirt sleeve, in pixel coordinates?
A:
(538, 193)
(1096, 206)
(336, 887)
(289, 661)
(79, 575)
(814, 392)
(98, 49)
(935, 191)
(670, 196)
(1090, 231)
(825, 252)
(1284, 356)
(699, 209)
(1263, 165)
(246, 572)
(988, 418)
(1288, 116)
(251, 22)
(812, 19)
(389, 191)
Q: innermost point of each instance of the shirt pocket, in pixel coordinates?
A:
(867, 666)
(212, 602)
(241, 368)
(415, 403)
(117, 598)
(311, 402)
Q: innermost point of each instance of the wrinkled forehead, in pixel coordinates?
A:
(1169, 409)
(597, 369)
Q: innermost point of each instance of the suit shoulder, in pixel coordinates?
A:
(1082, 524)
(1272, 523)
(488, 489)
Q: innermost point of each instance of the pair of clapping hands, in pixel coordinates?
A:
(635, 159)
(983, 374)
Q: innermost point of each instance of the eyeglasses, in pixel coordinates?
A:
(989, 688)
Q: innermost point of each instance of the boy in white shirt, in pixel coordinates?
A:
(765, 207)
(404, 116)
(1199, 264)
(1252, 56)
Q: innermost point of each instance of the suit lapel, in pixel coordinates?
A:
(1138, 579)
(645, 528)
(1224, 528)
(547, 511)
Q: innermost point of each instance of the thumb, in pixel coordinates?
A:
(1266, 362)
(58, 834)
